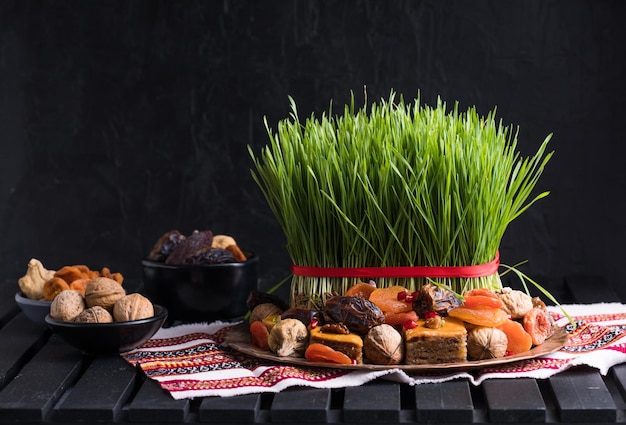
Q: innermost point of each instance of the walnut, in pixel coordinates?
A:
(67, 305)
(288, 337)
(104, 292)
(516, 303)
(31, 284)
(264, 310)
(486, 343)
(434, 322)
(95, 314)
(132, 307)
(383, 344)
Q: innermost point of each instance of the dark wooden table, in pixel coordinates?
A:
(45, 381)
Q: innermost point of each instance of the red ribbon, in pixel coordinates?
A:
(478, 270)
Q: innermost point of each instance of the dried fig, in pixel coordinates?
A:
(31, 284)
(515, 303)
(289, 337)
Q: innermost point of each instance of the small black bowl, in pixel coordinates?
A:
(109, 338)
(202, 292)
(35, 310)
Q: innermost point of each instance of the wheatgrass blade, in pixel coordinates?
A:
(394, 184)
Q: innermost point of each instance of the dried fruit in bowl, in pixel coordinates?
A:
(201, 247)
(31, 284)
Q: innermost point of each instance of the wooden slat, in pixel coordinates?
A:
(244, 408)
(100, 393)
(514, 400)
(301, 406)
(8, 307)
(39, 385)
(153, 404)
(618, 373)
(444, 402)
(377, 402)
(20, 339)
(582, 396)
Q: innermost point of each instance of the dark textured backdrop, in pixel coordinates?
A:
(122, 120)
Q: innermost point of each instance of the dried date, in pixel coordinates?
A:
(358, 314)
(192, 245)
(166, 244)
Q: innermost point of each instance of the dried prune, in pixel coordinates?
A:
(166, 245)
(191, 246)
(302, 314)
(357, 313)
(210, 256)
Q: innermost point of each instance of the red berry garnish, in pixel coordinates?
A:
(430, 315)
(410, 324)
(410, 298)
(314, 322)
(402, 295)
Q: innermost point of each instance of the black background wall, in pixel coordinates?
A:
(121, 120)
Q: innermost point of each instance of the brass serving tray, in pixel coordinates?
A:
(239, 338)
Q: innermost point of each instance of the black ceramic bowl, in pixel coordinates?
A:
(109, 338)
(35, 310)
(203, 292)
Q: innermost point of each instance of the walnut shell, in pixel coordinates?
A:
(104, 292)
(67, 305)
(95, 314)
(289, 337)
(486, 343)
(264, 310)
(383, 344)
(132, 307)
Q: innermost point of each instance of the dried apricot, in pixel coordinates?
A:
(481, 301)
(490, 317)
(53, 287)
(387, 299)
(80, 285)
(360, 289)
(69, 273)
(481, 291)
(538, 325)
(400, 318)
(519, 340)
(260, 335)
(317, 352)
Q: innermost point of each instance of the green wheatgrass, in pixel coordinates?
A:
(397, 184)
